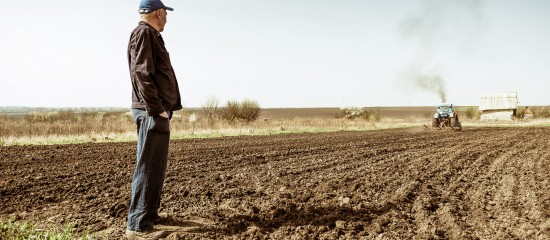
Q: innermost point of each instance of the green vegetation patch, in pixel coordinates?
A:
(15, 230)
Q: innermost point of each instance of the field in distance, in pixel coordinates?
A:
(266, 113)
(387, 112)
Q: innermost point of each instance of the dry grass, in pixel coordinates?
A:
(539, 122)
(119, 127)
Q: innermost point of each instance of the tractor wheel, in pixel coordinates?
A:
(455, 122)
(435, 122)
(459, 127)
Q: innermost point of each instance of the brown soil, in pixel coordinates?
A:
(483, 183)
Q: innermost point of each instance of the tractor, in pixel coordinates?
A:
(446, 118)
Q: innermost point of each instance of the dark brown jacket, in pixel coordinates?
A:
(154, 83)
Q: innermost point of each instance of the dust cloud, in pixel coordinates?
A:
(438, 26)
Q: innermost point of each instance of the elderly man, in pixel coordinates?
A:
(155, 96)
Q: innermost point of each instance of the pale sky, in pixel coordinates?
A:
(282, 53)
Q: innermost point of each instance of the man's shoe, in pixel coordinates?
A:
(147, 235)
(161, 218)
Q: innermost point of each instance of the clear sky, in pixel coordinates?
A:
(282, 53)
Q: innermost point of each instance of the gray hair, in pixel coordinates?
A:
(147, 15)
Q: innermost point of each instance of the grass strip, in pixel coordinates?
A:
(16, 230)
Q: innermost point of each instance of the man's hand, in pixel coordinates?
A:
(164, 114)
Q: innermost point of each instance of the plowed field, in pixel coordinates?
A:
(482, 183)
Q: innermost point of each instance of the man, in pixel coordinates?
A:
(155, 96)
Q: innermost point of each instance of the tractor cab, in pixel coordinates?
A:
(444, 110)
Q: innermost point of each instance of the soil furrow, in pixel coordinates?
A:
(482, 183)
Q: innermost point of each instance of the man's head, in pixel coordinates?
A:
(154, 13)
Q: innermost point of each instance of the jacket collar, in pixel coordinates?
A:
(149, 26)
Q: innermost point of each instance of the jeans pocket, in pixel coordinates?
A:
(160, 124)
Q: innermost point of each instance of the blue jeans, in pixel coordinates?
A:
(152, 156)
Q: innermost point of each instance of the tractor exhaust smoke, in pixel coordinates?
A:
(438, 26)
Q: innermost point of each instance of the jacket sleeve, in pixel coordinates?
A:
(144, 72)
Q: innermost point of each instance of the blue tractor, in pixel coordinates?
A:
(446, 118)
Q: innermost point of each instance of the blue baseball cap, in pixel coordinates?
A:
(147, 6)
